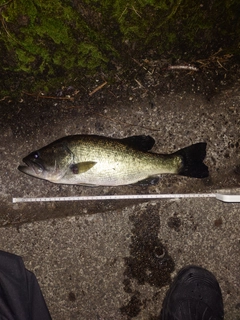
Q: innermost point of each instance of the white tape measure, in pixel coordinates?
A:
(218, 196)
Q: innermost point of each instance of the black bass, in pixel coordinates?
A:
(100, 161)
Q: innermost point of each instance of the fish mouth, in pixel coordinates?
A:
(31, 167)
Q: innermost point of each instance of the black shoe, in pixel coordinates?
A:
(194, 295)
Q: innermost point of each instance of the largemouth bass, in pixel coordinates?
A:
(100, 161)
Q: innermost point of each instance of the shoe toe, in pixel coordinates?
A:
(194, 294)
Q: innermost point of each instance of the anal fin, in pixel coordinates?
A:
(148, 181)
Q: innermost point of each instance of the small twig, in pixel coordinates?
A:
(98, 88)
(7, 32)
(137, 62)
(216, 53)
(139, 83)
(138, 14)
(215, 59)
(48, 97)
(221, 65)
(123, 13)
(5, 28)
(112, 93)
(5, 4)
(140, 64)
(4, 98)
(192, 68)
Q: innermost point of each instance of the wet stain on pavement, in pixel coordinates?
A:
(149, 261)
(218, 222)
(174, 223)
(133, 308)
(71, 296)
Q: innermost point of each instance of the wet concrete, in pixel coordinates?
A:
(115, 259)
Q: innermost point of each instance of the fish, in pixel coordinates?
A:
(93, 160)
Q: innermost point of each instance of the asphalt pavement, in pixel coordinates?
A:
(115, 259)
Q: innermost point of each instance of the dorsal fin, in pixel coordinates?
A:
(142, 143)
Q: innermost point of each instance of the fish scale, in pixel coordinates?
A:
(121, 166)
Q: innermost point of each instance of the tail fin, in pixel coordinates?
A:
(193, 157)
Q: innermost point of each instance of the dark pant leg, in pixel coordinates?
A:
(20, 295)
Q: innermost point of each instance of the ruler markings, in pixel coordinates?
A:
(117, 197)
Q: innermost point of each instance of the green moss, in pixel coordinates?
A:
(44, 31)
(42, 37)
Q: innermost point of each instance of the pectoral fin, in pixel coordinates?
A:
(82, 167)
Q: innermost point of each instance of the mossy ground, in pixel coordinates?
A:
(45, 44)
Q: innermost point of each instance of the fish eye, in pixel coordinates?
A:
(36, 155)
